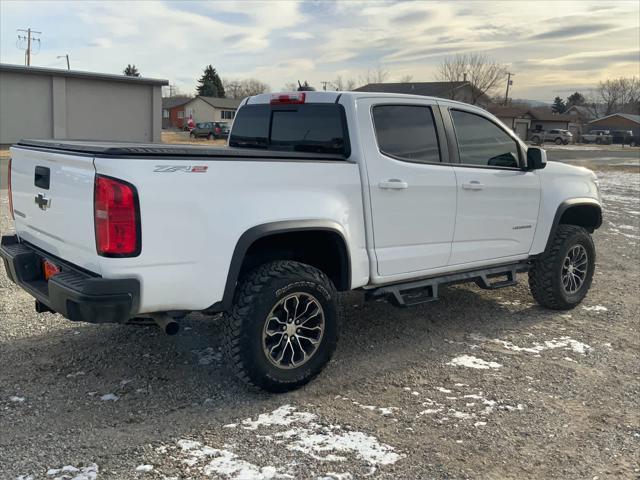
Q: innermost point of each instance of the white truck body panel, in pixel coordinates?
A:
(191, 222)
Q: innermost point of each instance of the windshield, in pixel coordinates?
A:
(318, 128)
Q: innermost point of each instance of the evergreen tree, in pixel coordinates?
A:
(131, 71)
(210, 84)
(558, 105)
(576, 99)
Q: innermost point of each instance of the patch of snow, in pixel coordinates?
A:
(443, 390)
(336, 476)
(430, 411)
(69, 472)
(569, 359)
(566, 343)
(415, 393)
(225, 463)
(230, 425)
(109, 397)
(73, 375)
(16, 399)
(144, 468)
(479, 424)
(596, 308)
(285, 415)
(470, 361)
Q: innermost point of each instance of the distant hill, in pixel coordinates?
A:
(533, 103)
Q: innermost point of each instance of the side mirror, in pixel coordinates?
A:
(536, 158)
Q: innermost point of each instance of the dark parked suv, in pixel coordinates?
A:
(210, 130)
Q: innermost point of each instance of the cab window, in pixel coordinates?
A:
(481, 142)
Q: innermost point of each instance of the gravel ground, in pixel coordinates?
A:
(482, 384)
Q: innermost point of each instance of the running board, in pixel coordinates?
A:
(422, 291)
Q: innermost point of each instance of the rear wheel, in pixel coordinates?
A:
(598, 141)
(210, 136)
(535, 139)
(558, 141)
(282, 328)
(560, 278)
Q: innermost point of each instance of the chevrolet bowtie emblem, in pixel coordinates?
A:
(42, 201)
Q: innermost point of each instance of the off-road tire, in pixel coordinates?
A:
(257, 293)
(545, 275)
(558, 141)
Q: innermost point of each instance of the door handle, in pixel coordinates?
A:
(473, 185)
(393, 184)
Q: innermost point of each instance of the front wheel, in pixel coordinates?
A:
(558, 141)
(535, 139)
(282, 329)
(560, 278)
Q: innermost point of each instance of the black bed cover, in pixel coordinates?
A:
(126, 149)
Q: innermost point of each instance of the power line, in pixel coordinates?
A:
(29, 39)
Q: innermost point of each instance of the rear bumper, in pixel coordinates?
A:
(73, 293)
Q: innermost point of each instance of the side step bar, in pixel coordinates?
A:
(422, 291)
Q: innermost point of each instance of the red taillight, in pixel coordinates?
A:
(287, 98)
(116, 217)
(9, 187)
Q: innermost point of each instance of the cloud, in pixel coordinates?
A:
(283, 41)
(410, 18)
(573, 31)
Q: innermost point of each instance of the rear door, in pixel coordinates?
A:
(497, 200)
(53, 203)
(411, 186)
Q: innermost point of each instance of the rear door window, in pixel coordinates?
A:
(407, 132)
(314, 127)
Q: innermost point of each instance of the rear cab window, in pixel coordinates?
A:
(309, 127)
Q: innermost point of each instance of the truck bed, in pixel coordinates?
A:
(155, 150)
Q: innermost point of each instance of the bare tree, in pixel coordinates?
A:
(406, 79)
(482, 72)
(342, 84)
(235, 88)
(379, 74)
(618, 95)
(290, 87)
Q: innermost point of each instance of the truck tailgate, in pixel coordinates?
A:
(53, 203)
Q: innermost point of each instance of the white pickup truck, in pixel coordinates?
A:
(317, 192)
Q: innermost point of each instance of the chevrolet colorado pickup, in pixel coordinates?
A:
(316, 193)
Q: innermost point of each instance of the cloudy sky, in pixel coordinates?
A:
(554, 48)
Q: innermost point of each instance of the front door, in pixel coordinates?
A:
(412, 191)
(498, 202)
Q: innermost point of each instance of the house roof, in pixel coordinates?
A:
(628, 116)
(508, 111)
(581, 110)
(57, 72)
(172, 102)
(218, 102)
(428, 89)
(542, 114)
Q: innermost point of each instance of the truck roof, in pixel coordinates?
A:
(332, 97)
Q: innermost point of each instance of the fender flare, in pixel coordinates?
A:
(265, 230)
(566, 205)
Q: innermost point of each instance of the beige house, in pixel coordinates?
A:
(211, 109)
(47, 103)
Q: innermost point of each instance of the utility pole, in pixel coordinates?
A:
(28, 38)
(67, 57)
(324, 85)
(509, 82)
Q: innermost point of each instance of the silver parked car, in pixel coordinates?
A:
(557, 136)
(598, 136)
